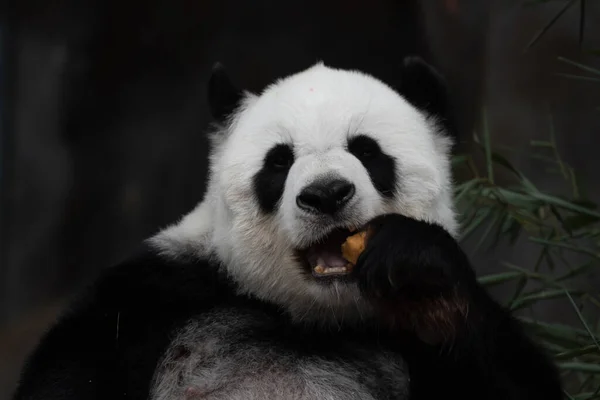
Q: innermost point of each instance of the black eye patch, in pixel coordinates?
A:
(269, 182)
(380, 166)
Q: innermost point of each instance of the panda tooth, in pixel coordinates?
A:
(324, 270)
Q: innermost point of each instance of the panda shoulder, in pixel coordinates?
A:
(148, 279)
(127, 312)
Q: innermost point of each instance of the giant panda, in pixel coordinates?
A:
(228, 303)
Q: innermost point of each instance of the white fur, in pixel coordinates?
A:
(315, 110)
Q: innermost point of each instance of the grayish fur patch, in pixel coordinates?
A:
(223, 355)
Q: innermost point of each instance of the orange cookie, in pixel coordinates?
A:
(354, 246)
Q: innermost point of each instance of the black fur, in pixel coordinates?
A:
(269, 182)
(465, 344)
(423, 87)
(380, 166)
(109, 344)
(223, 96)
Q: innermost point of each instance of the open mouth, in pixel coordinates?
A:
(325, 259)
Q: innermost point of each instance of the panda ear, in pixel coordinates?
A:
(223, 96)
(423, 87)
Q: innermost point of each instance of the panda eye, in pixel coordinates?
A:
(280, 158)
(363, 147)
(366, 153)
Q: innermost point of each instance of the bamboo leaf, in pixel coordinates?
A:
(563, 204)
(583, 367)
(506, 164)
(580, 66)
(542, 31)
(581, 351)
(583, 320)
(543, 295)
(497, 279)
(579, 77)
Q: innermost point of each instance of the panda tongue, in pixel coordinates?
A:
(331, 259)
(328, 253)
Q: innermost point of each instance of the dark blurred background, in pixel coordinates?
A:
(103, 112)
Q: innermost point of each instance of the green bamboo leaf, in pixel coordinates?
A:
(580, 66)
(577, 352)
(558, 329)
(574, 183)
(459, 159)
(582, 367)
(584, 323)
(522, 282)
(499, 159)
(475, 223)
(568, 395)
(567, 205)
(513, 198)
(577, 249)
(575, 271)
(466, 189)
(511, 229)
(556, 333)
(499, 278)
(587, 396)
(579, 77)
(495, 217)
(562, 341)
(560, 219)
(526, 300)
(542, 31)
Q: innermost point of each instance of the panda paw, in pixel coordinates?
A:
(416, 273)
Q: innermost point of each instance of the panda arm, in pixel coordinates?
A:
(462, 343)
(110, 341)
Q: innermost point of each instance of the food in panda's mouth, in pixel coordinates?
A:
(354, 246)
(336, 254)
(325, 257)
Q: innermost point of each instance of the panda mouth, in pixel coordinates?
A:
(324, 258)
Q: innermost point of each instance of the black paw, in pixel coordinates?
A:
(415, 268)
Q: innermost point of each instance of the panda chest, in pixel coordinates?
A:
(231, 354)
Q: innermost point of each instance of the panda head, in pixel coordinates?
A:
(293, 168)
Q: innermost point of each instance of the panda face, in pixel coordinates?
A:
(297, 168)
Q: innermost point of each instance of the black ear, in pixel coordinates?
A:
(425, 88)
(223, 96)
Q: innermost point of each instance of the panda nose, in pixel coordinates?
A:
(326, 197)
